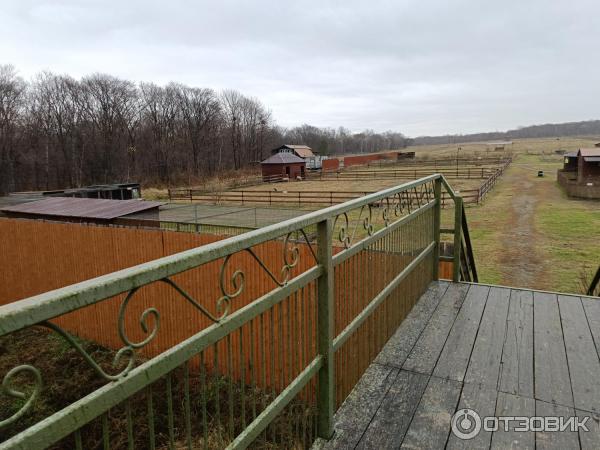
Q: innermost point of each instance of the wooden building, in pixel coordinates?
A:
(580, 175)
(588, 165)
(283, 165)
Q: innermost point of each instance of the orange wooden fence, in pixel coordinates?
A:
(36, 257)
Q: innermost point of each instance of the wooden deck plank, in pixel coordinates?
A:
(426, 351)
(357, 411)
(555, 440)
(481, 399)
(584, 365)
(430, 426)
(498, 351)
(516, 369)
(388, 427)
(484, 365)
(455, 356)
(513, 405)
(589, 440)
(397, 349)
(552, 381)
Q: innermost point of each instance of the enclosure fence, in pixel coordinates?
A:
(284, 196)
(286, 339)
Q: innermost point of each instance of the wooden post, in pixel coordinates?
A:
(325, 330)
(437, 215)
(458, 207)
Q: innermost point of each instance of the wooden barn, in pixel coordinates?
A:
(283, 165)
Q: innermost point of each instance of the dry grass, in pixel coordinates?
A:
(528, 233)
(68, 378)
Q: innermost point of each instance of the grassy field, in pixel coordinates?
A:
(528, 233)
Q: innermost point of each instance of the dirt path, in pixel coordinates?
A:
(519, 256)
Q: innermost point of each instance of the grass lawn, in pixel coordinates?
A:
(528, 233)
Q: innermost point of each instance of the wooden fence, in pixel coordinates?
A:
(446, 162)
(491, 175)
(300, 198)
(37, 257)
(405, 173)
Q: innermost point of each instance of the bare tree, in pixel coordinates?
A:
(12, 104)
(59, 132)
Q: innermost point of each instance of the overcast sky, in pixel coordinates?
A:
(420, 67)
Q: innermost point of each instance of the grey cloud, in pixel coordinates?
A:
(420, 67)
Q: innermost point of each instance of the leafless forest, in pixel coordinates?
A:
(58, 132)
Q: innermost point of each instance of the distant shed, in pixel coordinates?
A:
(83, 210)
(284, 165)
(115, 191)
(499, 146)
(588, 170)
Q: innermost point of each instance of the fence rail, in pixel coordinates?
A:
(333, 300)
(310, 198)
(594, 288)
(441, 162)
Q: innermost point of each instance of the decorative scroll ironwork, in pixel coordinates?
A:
(344, 235)
(291, 257)
(393, 207)
(11, 392)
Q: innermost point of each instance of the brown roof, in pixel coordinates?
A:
(589, 152)
(303, 151)
(85, 208)
(283, 158)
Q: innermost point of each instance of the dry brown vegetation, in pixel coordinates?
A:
(67, 378)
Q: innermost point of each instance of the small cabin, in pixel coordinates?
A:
(588, 165)
(283, 165)
(580, 175)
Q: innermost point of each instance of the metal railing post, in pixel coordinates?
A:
(325, 330)
(458, 209)
(437, 215)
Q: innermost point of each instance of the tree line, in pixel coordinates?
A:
(59, 132)
(548, 130)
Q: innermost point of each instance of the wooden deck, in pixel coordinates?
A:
(498, 351)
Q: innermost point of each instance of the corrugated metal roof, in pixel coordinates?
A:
(85, 208)
(283, 158)
(591, 158)
(571, 155)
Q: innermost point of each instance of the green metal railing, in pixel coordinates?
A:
(264, 373)
(594, 288)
